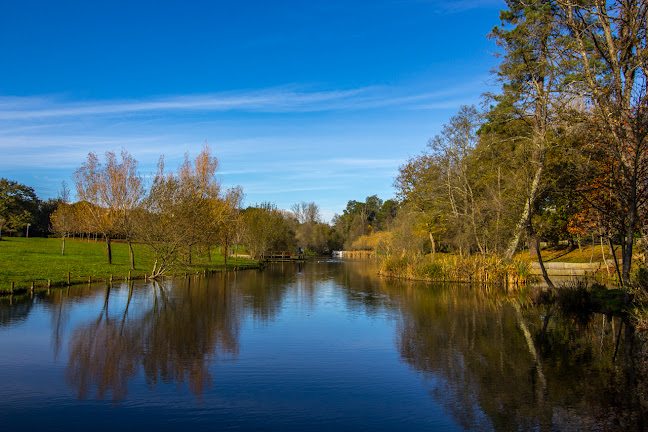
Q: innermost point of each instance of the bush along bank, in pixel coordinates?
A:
(470, 269)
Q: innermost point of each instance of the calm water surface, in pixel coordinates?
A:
(318, 346)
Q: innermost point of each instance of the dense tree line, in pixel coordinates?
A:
(560, 153)
(21, 212)
(362, 219)
(178, 215)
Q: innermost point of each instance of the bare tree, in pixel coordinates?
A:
(306, 212)
(111, 192)
(157, 222)
(182, 210)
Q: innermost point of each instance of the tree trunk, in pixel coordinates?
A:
(627, 249)
(108, 250)
(592, 250)
(131, 255)
(607, 267)
(616, 262)
(432, 247)
(225, 251)
(533, 239)
(526, 213)
(63, 246)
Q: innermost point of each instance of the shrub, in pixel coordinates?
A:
(473, 268)
(430, 270)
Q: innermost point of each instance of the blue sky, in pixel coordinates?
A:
(300, 100)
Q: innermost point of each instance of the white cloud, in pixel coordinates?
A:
(273, 100)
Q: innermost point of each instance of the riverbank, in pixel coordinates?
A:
(453, 268)
(560, 261)
(37, 262)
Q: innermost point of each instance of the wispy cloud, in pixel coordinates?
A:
(366, 163)
(273, 100)
(264, 100)
(456, 6)
(272, 191)
(330, 145)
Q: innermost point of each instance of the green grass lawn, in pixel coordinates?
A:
(27, 260)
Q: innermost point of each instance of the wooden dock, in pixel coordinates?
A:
(282, 257)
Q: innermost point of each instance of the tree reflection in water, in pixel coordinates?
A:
(497, 362)
(184, 328)
(523, 367)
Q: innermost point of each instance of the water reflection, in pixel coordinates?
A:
(182, 329)
(524, 368)
(489, 359)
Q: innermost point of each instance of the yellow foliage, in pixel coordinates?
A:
(374, 241)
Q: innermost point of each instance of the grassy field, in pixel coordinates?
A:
(565, 254)
(27, 260)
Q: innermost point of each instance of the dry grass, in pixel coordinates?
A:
(565, 254)
(452, 268)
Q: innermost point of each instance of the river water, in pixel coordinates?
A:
(318, 346)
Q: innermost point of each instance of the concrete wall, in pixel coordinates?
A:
(569, 269)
